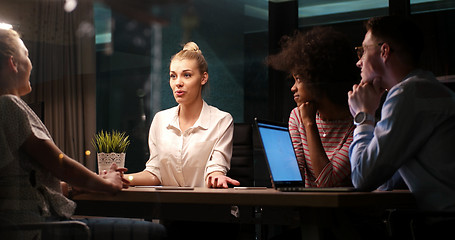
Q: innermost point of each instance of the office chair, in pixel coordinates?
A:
(55, 230)
(417, 224)
(242, 155)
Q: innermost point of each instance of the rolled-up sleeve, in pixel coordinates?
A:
(153, 164)
(220, 159)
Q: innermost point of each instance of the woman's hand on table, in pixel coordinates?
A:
(219, 180)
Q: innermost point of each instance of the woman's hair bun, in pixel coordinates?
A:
(191, 46)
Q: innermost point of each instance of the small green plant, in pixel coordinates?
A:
(115, 141)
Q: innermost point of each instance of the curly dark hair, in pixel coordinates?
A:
(323, 58)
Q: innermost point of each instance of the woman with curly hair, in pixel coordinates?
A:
(322, 64)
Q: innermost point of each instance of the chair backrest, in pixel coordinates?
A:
(55, 230)
(242, 163)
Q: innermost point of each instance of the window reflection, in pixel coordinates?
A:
(135, 43)
(133, 59)
(421, 6)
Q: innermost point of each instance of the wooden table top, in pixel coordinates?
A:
(261, 197)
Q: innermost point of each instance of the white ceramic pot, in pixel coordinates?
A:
(105, 160)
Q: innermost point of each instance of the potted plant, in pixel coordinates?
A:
(111, 148)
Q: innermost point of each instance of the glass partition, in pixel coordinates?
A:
(134, 47)
(135, 42)
(421, 6)
(315, 12)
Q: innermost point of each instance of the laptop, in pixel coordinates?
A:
(281, 158)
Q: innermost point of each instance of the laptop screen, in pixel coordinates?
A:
(279, 152)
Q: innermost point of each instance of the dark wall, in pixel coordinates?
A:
(122, 76)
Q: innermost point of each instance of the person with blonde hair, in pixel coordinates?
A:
(191, 143)
(32, 166)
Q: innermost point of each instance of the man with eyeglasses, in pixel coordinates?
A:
(415, 136)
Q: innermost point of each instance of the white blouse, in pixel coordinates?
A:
(186, 158)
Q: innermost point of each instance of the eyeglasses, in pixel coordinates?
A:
(361, 50)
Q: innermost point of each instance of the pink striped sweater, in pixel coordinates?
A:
(336, 136)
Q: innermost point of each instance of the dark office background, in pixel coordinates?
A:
(235, 36)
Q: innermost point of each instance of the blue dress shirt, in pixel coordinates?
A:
(416, 137)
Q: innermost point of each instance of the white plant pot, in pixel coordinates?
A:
(105, 160)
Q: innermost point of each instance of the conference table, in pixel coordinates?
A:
(260, 206)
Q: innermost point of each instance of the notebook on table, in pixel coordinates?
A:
(281, 158)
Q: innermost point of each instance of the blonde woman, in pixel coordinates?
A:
(190, 144)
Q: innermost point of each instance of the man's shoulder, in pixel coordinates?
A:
(419, 76)
(424, 83)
